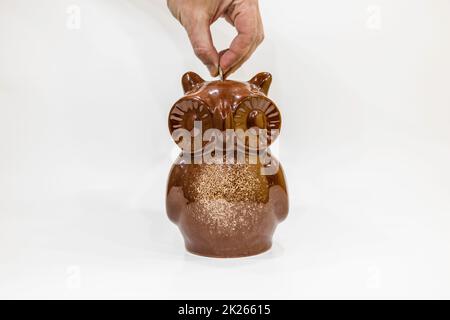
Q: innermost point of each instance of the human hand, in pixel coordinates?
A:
(196, 16)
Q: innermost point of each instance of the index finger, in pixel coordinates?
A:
(200, 36)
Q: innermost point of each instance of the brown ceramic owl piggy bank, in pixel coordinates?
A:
(226, 192)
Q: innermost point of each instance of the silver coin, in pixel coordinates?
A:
(220, 73)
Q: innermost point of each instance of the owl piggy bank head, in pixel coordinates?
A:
(218, 107)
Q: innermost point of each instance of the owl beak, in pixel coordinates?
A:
(228, 122)
(223, 118)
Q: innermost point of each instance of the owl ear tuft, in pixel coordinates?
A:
(190, 80)
(262, 80)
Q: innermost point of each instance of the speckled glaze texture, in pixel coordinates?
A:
(226, 209)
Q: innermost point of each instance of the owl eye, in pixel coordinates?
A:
(185, 112)
(258, 113)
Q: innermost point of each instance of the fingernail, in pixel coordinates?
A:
(213, 70)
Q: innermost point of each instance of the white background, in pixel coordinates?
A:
(363, 87)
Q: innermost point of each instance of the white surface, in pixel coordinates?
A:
(84, 151)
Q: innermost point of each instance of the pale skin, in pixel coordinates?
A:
(196, 16)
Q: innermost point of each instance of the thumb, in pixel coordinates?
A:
(200, 36)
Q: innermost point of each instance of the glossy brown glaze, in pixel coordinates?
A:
(226, 210)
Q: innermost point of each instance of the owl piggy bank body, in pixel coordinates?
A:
(226, 192)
